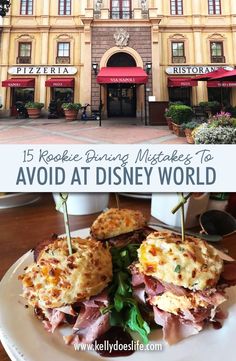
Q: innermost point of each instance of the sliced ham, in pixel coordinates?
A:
(94, 330)
(139, 294)
(86, 317)
(68, 310)
(176, 290)
(56, 319)
(213, 297)
(153, 287)
(173, 329)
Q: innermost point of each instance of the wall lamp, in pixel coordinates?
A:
(95, 68)
(148, 67)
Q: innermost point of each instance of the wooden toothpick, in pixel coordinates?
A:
(183, 199)
(117, 200)
(63, 203)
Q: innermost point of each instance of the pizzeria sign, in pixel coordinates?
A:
(42, 70)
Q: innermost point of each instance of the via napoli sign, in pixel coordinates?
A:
(42, 70)
(194, 69)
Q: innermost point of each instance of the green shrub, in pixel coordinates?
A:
(233, 122)
(191, 125)
(231, 110)
(181, 113)
(34, 105)
(213, 106)
(221, 135)
(71, 106)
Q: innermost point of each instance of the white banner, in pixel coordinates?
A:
(117, 168)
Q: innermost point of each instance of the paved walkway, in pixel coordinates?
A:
(58, 131)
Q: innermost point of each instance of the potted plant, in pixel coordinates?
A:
(188, 128)
(71, 110)
(167, 115)
(34, 109)
(180, 114)
(205, 134)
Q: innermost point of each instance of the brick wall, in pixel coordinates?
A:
(103, 40)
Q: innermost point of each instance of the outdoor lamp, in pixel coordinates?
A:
(95, 68)
(148, 67)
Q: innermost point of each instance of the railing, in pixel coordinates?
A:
(218, 59)
(23, 60)
(121, 14)
(62, 60)
(178, 59)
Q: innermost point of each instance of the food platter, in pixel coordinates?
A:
(25, 339)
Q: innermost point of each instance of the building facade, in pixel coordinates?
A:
(97, 52)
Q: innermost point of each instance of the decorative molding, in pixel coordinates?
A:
(25, 36)
(121, 37)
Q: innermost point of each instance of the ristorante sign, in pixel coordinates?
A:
(42, 70)
(193, 69)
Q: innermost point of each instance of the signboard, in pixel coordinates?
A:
(219, 84)
(193, 69)
(122, 80)
(42, 70)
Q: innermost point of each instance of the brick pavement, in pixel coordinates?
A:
(58, 131)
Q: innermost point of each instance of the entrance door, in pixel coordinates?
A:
(121, 100)
(23, 95)
(62, 95)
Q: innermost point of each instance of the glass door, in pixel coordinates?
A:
(121, 100)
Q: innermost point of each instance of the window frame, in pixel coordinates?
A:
(121, 12)
(214, 7)
(178, 56)
(175, 3)
(222, 51)
(26, 8)
(19, 48)
(63, 56)
(64, 7)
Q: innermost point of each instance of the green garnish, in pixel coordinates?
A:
(123, 308)
(178, 268)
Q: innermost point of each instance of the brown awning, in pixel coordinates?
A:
(19, 83)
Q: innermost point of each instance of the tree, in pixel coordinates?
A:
(4, 7)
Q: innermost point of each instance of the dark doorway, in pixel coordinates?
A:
(121, 100)
(23, 95)
(62, 95)
(121, 59)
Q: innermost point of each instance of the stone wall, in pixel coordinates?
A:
(103, 40)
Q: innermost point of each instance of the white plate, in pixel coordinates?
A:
(26, 340)
(17, 200)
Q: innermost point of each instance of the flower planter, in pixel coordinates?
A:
(189, 137)
(34, 113)
(177, 130)
(70, 114)
(169, 123)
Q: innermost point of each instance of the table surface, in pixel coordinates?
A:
(22, 227)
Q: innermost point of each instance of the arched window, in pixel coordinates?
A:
(121, 9)
(121, 59)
